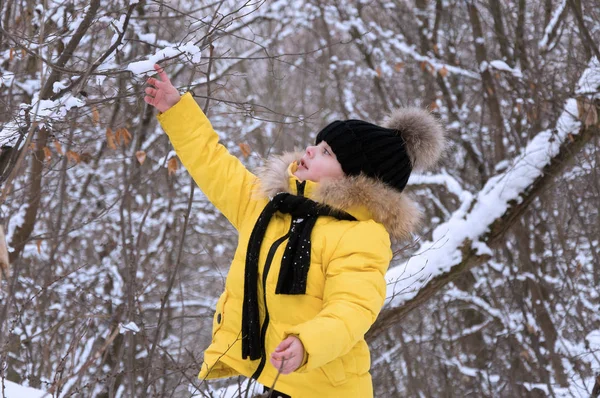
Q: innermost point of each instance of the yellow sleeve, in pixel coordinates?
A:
(221, 176)
(355, 290)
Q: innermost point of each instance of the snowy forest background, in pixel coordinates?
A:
(113, 261)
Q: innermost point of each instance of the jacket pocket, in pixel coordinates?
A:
(219, 317)
(335, 372)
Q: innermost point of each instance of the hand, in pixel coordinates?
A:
(289, 353)
(163, 95)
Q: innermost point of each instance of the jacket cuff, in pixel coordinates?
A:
(181, 118)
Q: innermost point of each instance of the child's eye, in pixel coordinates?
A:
(327, 152)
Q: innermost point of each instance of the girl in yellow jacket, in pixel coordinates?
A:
(307, 278)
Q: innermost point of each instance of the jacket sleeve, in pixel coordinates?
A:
(221, 176)
(355, 290)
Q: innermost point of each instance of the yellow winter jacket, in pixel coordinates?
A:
(345, 286)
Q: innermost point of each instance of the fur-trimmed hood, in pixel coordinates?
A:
(354, 194)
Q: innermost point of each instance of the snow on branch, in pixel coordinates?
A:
(146, 66)
(444, 179)
(11, 389)
(501, 66)
(463, 240)
(411, 51)
(543, 43)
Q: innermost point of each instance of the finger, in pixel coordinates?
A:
(284, 356)
(156, 83)
(289, 367)
(161, 73)
(276, 364)
(151, 91)
(288, 353)
(277, 356)
(284, 345)
(279, 365)
(149, 100)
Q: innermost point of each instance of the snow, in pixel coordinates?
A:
(589, 83)
(232, 391)
(40, 110)
(503, 66)
(9, 134)
(45, 110)
(543, 43)
(415, 54)
(451, 184)
(146, 66)
(593, 339)
(477, 213)
(6, 79)
(57, 86)
(14, 390)
(129, 327)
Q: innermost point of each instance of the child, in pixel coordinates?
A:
(307, 278)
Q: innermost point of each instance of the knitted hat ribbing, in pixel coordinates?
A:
(364, 147)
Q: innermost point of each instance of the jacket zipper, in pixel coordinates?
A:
(263, 331)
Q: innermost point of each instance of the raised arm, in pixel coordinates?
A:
(221, 176)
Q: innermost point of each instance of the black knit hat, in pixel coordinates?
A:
(410, 139)
(363, 147)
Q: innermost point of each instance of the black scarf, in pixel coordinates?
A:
(294, 265)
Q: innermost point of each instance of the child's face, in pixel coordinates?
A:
(319, 162)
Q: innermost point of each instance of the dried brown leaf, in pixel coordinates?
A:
(74, 156)
(126, 136)
(245, 148)
(110, 139)
(47, 153)
(95, 115)
(4, 259)
(58, 147)
(172, 165)
(141, 156)
(588, 113)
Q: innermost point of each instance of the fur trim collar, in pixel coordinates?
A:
(395, 210)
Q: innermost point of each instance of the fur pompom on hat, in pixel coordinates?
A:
(423, 134)
(410, 138)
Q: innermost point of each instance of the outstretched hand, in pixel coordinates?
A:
(161, 94)
(288, 355)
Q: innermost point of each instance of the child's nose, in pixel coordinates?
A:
(310, 151)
